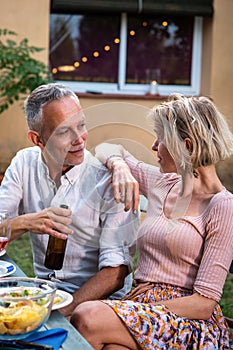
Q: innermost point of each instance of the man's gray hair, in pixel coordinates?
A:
(41, 96)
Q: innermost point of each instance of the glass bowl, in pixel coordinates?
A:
(25, 305)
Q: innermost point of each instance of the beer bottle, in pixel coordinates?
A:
(55, 252)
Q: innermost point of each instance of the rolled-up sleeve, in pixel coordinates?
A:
(115, 256)
(118, 238)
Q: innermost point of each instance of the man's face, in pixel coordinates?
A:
(64, 133)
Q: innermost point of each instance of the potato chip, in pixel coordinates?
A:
(21, 317)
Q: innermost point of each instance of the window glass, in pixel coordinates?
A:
(126, 53)
(159, 49)
(84, 47)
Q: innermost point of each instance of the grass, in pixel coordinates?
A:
(227, 298)
(20, 251)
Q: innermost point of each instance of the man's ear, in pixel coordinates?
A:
(35, 138)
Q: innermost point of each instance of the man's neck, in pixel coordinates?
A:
(56, 174)
(56, 170)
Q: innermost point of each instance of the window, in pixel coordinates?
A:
(126, 54)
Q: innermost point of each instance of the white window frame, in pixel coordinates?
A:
(141, 89)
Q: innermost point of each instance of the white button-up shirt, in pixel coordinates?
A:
(104, 234)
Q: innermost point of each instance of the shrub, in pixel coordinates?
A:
(19, 72)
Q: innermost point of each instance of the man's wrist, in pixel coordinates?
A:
(18, 226)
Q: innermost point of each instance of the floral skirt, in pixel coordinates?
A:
(155, 327)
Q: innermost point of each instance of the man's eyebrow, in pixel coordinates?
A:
(67, 126)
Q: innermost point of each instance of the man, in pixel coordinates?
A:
(59, 170)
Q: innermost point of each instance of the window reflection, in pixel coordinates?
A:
(159, 50)
(84, 47)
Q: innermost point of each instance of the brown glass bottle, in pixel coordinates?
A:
(55, 252)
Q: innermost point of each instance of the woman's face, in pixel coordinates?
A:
(165, 160)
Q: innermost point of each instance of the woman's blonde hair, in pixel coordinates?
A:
(197, 119)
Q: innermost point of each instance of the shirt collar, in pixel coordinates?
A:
(72, 174)
(44, 166)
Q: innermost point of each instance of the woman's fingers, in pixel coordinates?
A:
(127, 192)
(132, 196)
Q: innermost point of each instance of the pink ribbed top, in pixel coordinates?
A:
(194, 252)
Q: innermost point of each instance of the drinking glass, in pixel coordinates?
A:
(5, 229)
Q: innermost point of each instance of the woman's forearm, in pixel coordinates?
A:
(125, 186)
(106, 151)
(194, 307)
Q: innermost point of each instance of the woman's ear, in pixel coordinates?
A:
(188, 145)
(35, 138)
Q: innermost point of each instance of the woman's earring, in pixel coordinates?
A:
(195, 173)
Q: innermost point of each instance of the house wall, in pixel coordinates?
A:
(221, 75)
(29, 19)
(121, 119)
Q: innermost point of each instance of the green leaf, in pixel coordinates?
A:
(20, 72)
(7, 32)
(11, 43)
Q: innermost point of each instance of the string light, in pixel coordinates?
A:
(84, 59)
(66, 68)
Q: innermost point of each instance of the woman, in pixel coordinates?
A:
(185, 242)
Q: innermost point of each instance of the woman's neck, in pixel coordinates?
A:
(207, 181)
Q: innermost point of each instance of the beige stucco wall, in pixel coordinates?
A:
(117, 119)
(222, 53)
(29, 19)
(124, 122)
(221, 86)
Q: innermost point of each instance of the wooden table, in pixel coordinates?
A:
(57, 320)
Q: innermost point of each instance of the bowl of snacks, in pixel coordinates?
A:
(25, 305)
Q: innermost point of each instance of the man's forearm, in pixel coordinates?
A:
(18, 226)
(100, 286)
(52, 221)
